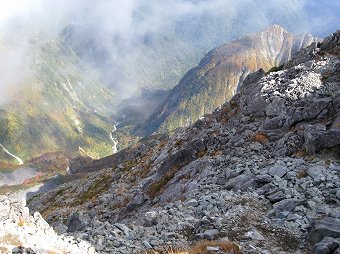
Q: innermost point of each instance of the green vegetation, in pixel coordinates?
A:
(99, 186)
(126, 137)
(156, 188)
(61, 106)
(274, 69)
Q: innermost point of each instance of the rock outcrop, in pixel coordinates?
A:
(262, 171)
(22, 233)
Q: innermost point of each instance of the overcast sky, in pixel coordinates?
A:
(122, 14)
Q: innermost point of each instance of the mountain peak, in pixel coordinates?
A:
(219, 74)
(275, 29)
(275, 26)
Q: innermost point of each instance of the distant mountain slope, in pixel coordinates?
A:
(262, 170)
(217, 77)
(60, 105)
(155, 61)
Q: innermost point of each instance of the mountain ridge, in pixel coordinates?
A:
(215, 80)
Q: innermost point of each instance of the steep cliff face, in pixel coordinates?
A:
(219, 74)
(261, 170)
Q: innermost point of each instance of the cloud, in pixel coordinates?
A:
(125, 37)
(14, 67)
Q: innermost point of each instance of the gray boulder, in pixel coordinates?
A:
(74, 223)
(252, 78)
(191, 202)
(327, 246)
(286, 205)
(317, 172)
(241, 182)
(211, 234)
(278, 170)
(326, 227)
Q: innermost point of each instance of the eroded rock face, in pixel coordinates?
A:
(255, 171)
(22, 233)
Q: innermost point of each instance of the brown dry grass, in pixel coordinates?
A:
(10, 239)
(179, 142)
(21, 222)
(57, 252)
(225, 246)
(167, 250)
(4, 250)
(215, 153)
(301, 153)
(261, 138)
(327, 162)
(301, 174)
(201, 154)
(201, 248)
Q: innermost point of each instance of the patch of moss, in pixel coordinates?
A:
(274, 69)
(179, 142)
(201, 154)
(98, 187)
(157, 188)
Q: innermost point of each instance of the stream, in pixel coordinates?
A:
(114, 140)
(21, 162)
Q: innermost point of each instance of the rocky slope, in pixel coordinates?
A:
(262, 170)
(59, 105)
(22, 233)
(219, 74)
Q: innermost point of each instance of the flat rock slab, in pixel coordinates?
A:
(211, 234)
(278, 170)
(317, 172)
(286, 205)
